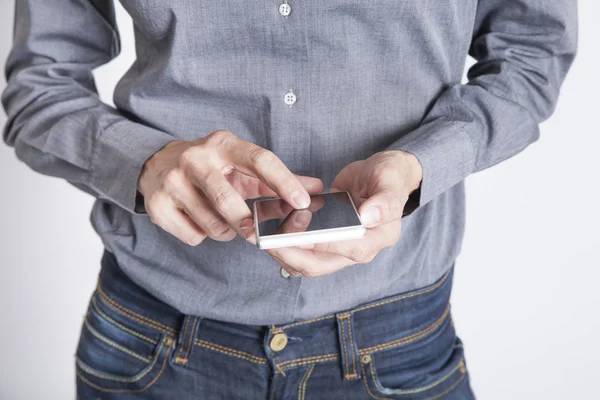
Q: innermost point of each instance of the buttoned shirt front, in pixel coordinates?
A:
(321, 84)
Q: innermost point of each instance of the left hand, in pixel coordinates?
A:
(380, 187)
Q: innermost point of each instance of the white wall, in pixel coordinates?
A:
(525, 298)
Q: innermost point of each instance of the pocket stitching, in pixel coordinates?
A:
(408, 339)
(115, 345)
(166, 341)
(133, 315)
(118, 325)
(432, 385)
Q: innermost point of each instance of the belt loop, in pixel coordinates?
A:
(185, 341)
(348, 347)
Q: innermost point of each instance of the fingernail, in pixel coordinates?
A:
(306, 246)
(195, 241)
(301, 219)
(246, 226)
(300, 199)
(371, 216)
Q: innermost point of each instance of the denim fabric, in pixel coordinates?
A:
(134, 346)
(368, 76)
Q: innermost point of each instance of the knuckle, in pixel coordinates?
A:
(220, 137)
(172, 181)
(360, 254)
(223, 198)
(152, 207)
(258, 155)
(217, 228)
(386, 173)
(191, 160)
(395, 206)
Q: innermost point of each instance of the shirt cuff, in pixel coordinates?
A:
(119, 156)
(446, 155)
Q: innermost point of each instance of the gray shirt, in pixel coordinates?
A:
(367, 76)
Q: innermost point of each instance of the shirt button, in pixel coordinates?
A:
(285, 9)
(284, 273)
(289, 98)
(278, 342)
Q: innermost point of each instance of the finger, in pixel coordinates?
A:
(167, 216)
(316, 203)
(384, 206)
(250, 187)
(297, 221)
(198, 208)
(310, 263)
(253, 160)
(312, 185)
(226, 201)
(365, 249)
(280, 209)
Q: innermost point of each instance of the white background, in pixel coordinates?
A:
(526, 291)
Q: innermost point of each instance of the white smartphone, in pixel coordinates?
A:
(331, 217)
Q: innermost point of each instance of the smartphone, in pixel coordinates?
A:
(331, 217)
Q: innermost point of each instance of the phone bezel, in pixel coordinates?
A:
(312, 237)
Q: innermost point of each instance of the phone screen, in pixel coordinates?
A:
(327, 211)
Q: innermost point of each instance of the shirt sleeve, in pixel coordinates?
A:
(523, 50)
(56, 121)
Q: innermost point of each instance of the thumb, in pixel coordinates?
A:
(383, 206)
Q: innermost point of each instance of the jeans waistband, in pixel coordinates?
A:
(344, 337)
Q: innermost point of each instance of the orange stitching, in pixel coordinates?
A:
(407, 339)
(308, 360)
(118, 325)
(187, 353)
(231, 352)
(302, 387)
(133, 379)
(131, 314)
(187, 322)
(353, 349)
(354, 375)
(333, 356)
(362, 367)
(276, 360)
(344, 346)
(110, 343)
(424, 291)
(421, 389)
(437, 396)
(152, 382)
(451, 388)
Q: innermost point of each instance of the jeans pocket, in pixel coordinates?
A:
(430, 371)
(114, 355)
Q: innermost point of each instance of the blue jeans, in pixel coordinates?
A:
(133, 346)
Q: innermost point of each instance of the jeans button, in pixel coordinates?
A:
(279, 342)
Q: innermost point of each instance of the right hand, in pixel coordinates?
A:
(196, 189)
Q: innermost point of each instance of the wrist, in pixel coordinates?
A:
(411, 169)
(152, 163)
